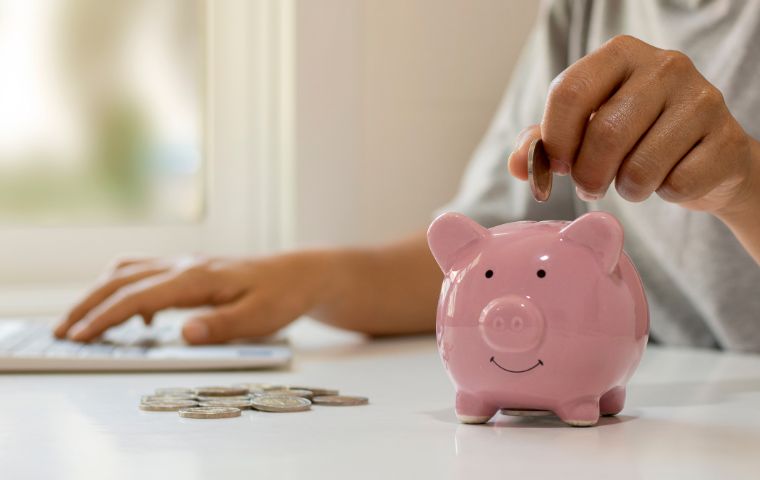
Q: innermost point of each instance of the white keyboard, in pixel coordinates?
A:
(30, 346)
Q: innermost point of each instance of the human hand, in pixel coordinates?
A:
(250, 297)
(647, 119)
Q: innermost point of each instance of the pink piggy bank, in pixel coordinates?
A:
(538, 316)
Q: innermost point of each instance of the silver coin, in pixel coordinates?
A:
(539, 171)
(167, 406)
(291, 392)
(525, 412)
(165, 398)
(269, 388)
(317, 391)
(253, 387)
(280, 403)
(220, 391)
(224, 402)
(203, 398)
(173, 391)
(209, 412)
(340, 400)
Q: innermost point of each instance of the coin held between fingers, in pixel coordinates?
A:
(539, 171)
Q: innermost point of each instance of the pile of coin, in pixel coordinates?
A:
(230, 401)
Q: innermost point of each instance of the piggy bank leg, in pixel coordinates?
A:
(580, 412)
(472, 409)
(612, 402)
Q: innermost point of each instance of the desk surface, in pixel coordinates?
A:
(690, 414)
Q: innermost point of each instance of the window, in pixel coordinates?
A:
(141, 126)
(102, 111)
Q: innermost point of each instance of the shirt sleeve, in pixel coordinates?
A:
(488, 193)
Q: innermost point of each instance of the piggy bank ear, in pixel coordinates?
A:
(453, 235)
(601, 233)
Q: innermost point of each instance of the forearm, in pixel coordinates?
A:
(386, 290)
(744, 218)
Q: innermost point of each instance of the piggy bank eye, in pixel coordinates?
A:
(489, 273)
(541, 273)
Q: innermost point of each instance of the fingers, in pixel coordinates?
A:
(666, 144)
(128, 261)
(145, 297)
(613, 131)
(580, 90)
(647, 119)
(701, 177)
(105, 290)
(147, 318)
(247, 317)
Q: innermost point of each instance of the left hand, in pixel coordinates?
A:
(647, 119)
(249, 297)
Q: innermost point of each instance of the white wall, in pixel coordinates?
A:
(392, 98)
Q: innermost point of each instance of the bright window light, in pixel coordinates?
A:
(101, 111)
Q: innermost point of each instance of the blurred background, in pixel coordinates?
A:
(233, 126)
(102, 111)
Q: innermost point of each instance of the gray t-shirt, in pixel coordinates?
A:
(703, 287)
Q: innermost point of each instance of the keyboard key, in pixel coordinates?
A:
(96, 350)
(63, 348)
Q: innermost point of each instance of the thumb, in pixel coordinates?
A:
(517, 163)
(243, 318)
(518, 159)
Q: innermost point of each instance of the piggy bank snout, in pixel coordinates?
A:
(511, 324)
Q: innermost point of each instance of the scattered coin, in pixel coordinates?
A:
(280, 403)
(539, 171)
(340, 400)
(167, 406)
(224, 402)
(165, 398)
(525, 413)
(202, 398)
(174, 391)
(291, 392)
(269, 388)
(317, 391)
(220, 391)
(253, 387)
(209, 412)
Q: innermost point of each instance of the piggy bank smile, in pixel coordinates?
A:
(539, 363)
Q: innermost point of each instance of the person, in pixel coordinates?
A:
(669, 108)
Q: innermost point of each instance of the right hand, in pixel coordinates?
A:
(647, 120)
(249, 297)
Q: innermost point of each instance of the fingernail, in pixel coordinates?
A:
(519, 138)
(559, 167)
(585, 196)
(77, 332)
(196, 331)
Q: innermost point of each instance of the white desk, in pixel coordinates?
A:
(690, 414)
